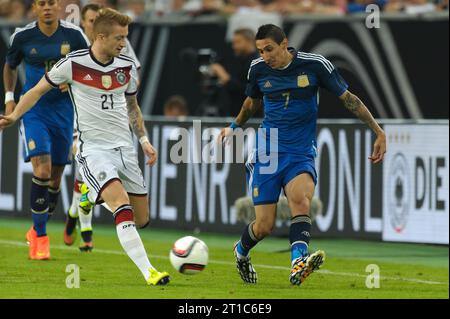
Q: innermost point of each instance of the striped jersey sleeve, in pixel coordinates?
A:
(329, 77)
(253, 89)
(60, 73)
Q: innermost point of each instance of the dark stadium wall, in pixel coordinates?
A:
(200, 196)
(191, 192)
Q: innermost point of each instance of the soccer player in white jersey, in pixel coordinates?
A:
(88, 15)
(103, 85)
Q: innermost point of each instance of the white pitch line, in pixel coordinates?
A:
(220, 262)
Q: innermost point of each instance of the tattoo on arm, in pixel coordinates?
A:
(357, 107)
(249, 108)
(135, 117)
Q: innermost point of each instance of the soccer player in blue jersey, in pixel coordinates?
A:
(288, 81)
(47, 129)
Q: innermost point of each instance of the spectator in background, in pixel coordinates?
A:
(249, 14)
(103, 3)
(135, 9)
(410, 6)
(232, 75)
(14, 10)
(175, 107)
(326, 7)
(442, 5)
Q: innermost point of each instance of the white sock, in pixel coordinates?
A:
(132, 244)
(73, 211)
(85, 220)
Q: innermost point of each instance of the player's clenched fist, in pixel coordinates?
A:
(6, 121)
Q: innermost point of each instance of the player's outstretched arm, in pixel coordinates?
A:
(138, 126)
(249, 108)
(26, 103)
(357, 107)
(10, 81)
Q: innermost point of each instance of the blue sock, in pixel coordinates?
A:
(39, 204)
(53, 195)
(299, 236)
(248, 240)
(241, 250)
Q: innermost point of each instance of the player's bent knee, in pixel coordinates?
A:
(42, 172)
(301, 206)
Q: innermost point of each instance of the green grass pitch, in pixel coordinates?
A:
(406, 270)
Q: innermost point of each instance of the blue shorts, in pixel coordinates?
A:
(266, 187)
(40, 138)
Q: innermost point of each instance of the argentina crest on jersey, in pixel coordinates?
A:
(303, 81)
(65, 48)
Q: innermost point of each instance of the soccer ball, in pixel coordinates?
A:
(189, 255)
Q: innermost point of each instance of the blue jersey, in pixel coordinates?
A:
(40, 53)
(290, 98)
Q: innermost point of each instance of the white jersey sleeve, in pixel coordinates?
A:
(60, 73)
(128, 50)
(134, 81)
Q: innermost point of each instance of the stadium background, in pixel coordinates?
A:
(400, 70)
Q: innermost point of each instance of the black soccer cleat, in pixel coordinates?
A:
(245, 268)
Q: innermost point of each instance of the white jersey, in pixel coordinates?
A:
(98, 96)
(128, 51)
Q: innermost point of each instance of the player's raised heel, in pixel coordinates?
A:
(31, 238)
(70, 233)
(304, 266)
(158, 278)
(245, 268)
(85, 204)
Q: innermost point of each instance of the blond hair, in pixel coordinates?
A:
(108, 17)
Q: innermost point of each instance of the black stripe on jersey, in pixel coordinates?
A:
(84, 51)
(132, 93)
(76, 111)
(125, 58)
(77, 55)
(98, 62)
(57, 65)
(87, 176)
(50, 81)
(94, 183)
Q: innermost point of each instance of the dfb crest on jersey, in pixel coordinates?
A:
(65, 48)
(303, 81)
(121, 77)
(106, 81)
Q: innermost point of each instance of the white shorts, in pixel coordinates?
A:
(101, 167)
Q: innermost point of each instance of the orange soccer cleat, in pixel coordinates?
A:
(70, 232)
(31, 238)
(42, 248)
